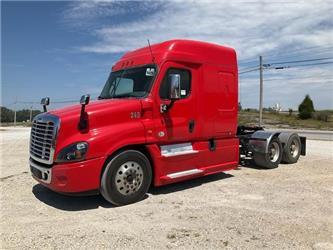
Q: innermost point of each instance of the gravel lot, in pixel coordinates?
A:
(247, 208)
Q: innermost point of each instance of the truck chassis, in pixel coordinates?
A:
(267, 149)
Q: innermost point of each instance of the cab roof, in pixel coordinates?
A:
(179, 50)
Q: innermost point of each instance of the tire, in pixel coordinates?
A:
(126, 178)
(292, 149)
(271, 159)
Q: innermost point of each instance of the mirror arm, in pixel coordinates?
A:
(44, 108)
(166, 107)
(83, 121)
(171, 104)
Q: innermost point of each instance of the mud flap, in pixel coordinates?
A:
(303, 145)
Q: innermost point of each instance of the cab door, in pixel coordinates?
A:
(178, 122)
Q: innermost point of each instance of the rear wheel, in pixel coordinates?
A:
(272, 158)
(126, 178)
(292, 149)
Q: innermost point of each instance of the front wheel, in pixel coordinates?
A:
(272, 158)
(126, 178)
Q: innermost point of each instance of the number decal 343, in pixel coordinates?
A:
(135, 115)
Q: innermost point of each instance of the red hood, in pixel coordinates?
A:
(100, 113)
(96, 107)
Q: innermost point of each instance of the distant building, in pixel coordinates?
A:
(277, 107)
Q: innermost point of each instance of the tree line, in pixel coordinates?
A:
(305, 111)
(7, 115)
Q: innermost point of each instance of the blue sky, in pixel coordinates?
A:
(39, 55)
(66, 49)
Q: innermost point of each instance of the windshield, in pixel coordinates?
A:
(133, 82)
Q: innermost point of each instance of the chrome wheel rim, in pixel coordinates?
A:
(294, 148)
(129, 178)
(274, 152)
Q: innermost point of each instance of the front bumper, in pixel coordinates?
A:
(74, 177)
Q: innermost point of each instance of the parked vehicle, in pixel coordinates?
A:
(167, 113)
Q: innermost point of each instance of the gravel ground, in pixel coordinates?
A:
(247, 208)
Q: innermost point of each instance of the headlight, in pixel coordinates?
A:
(74, 152)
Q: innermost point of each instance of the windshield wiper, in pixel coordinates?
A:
(124, 95)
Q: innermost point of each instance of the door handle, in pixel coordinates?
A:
(191, 125)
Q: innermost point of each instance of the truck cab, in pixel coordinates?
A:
(167, 113)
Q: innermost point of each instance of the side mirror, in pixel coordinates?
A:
(83, 124)
(45, 102)
(174, 86)
(85, 99)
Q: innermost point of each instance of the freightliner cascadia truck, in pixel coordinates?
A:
(167, 113)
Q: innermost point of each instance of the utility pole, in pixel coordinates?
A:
(15, 112)
(15, 117)
(261, 90)
(30, 113)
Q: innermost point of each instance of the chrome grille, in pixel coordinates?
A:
(42, 139)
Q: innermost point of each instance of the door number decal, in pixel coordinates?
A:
(135, 115)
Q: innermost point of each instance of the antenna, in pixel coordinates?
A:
(151, 52)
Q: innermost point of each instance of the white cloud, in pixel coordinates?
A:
(252, 28)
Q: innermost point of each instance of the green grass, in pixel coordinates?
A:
(282, 121)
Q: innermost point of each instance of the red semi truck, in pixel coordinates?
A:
(167, 113)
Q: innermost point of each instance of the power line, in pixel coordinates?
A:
(299, 65)
(293, 78)
(247, 61)
(288, 53)
(299, 57)
(69, 101)
(56, 101)
(27, 102)
(11, 104)
(34, 102)
(243, 72)
(306, 60)
(67, 98)
(291, 53)
(266, 66)
(249, 68)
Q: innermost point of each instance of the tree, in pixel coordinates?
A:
(7, 115)
(290, 112)
(306, 108)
